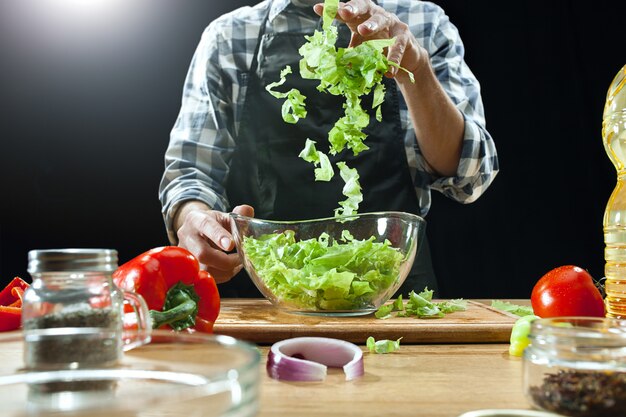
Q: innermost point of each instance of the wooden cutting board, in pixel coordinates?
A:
(257, 321)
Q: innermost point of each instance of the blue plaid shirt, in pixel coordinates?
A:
(203, 137)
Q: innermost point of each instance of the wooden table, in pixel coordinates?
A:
(418, 380)
(421, 379)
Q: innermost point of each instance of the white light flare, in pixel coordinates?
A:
(82, 7)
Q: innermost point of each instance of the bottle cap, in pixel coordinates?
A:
(57, 260)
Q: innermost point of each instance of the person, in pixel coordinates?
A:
(230, 150)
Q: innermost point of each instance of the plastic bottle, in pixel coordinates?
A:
(614, 137)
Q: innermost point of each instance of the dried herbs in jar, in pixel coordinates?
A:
(582, 393)
(74, 349)
(576, 366)
(76, 338)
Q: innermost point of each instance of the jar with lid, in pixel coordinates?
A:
(72, 313)
(576, 366)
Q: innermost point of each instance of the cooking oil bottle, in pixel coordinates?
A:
(614, 138)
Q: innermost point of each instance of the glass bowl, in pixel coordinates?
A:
(175, 374)
(347, 265)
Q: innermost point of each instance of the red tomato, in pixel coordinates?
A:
(567, 291)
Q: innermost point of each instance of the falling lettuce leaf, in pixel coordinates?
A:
(347, 72)
(351, 189)
(293, 108)
(311, 154)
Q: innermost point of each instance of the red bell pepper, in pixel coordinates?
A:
(178, 293)
(11, 304)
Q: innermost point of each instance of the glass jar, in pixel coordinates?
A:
(73, 288)
(576, 366)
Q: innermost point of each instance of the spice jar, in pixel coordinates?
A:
(73, 289)
(576, 366)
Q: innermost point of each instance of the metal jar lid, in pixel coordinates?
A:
(58, 260)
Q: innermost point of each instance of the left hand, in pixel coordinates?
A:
(369, 21)
(206, 234)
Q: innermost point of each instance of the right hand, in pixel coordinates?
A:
(206, 234)
(368, 21)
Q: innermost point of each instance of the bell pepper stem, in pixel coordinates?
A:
(179, 311)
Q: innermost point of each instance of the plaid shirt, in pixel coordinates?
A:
(203, 137)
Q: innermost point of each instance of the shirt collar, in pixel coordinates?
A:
(279, 6)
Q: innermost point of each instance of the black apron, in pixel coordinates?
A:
(266, 172)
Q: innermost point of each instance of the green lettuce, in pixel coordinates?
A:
(344, 274)
(382, 346)
(421, 305)
(311, 154)
(347, 72)
(516, 309)
(384, 312)
(293, 108)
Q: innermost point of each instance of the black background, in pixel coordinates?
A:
(89, 93)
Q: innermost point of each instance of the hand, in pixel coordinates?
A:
(438, 124)
(368, 21)
(206, 234)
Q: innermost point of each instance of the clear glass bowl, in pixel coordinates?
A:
(175, 374)
(576, 366)
(347, 265)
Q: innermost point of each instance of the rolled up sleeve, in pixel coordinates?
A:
(201, 145)
(479, 161)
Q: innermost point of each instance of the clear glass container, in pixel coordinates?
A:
(576, 366)
(174, 374)
(337, 266)
(73, 288)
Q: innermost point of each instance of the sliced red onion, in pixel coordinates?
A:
(307, 358)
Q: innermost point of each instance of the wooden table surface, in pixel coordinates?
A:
(421, 379)
(417, 380)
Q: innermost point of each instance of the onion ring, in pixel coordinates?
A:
(307, 359)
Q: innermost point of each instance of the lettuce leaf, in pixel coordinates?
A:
(384, 312)
(347, 72)
(382, 346)
(293, 108)
(345, 274)
(421, 305)
(310, 154)
(351, 189)
(516, 309)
